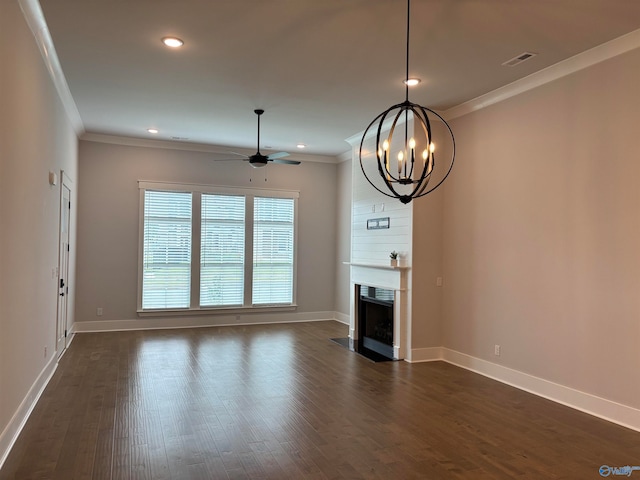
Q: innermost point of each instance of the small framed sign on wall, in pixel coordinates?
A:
(377, 223)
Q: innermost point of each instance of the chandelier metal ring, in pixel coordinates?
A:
(421, 182)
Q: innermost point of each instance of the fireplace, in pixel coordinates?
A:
(375, 320)
(390, 290)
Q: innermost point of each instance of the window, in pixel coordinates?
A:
(222, 250)
(166, 261)
(206, 248)
(272, 250)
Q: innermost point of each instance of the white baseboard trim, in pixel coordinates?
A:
(342, 318)
(430, 354)
(71, 334)
(148, 323)
(10, 434)
(585, 402)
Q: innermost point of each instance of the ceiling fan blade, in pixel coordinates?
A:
(287, 162)
(230, 153)
(228, 159)
(273, 156)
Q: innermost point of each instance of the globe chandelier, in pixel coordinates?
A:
(403, 176)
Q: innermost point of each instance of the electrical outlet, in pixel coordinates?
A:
(99, 311)
(496, 350)
(438, 281)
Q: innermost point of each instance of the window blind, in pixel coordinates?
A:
(166, 277)
(273, 232)
(222, 250)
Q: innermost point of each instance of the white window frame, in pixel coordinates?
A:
(197, 190)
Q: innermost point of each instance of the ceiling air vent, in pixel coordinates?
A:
(519, 59)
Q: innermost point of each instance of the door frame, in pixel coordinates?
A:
(64, 252)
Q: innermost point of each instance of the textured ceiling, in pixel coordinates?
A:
(322, 70)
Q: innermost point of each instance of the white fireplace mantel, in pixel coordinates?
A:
(391, 278)
(379, 275)
(376, 265)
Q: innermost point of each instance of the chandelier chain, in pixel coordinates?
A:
(413, 118)
(406, 78)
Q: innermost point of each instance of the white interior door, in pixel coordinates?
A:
(63, 266)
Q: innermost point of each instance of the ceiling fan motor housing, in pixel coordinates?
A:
(258, 160)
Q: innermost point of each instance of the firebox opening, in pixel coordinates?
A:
(375, 320)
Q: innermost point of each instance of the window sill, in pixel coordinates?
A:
(178, 312)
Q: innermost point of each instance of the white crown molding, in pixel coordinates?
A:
(345, 156)
(356, 139)
(194, 147)
(571, 65)
(598, 54)
(35, 19)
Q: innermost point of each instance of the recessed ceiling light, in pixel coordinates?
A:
(173, 42)
(301, 145)
(152, 130)
(412, 82)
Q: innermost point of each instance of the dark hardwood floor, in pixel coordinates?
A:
(285, 402)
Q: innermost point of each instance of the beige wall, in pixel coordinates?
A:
(36, 137)
(108, 220)
(426, 296)
(343, 238)
(542, 232)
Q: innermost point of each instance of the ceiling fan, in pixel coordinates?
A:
(258, 159)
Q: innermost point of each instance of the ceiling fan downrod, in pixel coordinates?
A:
(258, 111)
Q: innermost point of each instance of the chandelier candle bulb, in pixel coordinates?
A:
(387, 166)
(385, 150)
